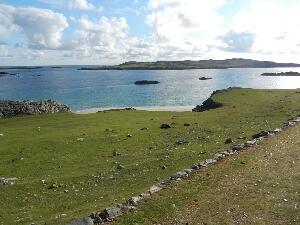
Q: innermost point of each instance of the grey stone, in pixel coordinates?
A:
(30, 107)
(7, 181)
(182, 142)
(154, 189)
(120, 167)
(238, 147)
(261, 134)
(110, 214)
(85, 221)
(134, 200)
(250, 143)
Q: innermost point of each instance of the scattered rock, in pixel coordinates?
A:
(85, 221)
(129, 135)
(144, 128)
(53, 186)
(261, 134)
(115, 153)
(80, 139)
(120, 167)
(154, 189)
(228, 141)
(186, 124)
(165, 126)
(238, 147)
(7, 181)
(182, 142)
(109, 214)
(164, 167)
(134, 200)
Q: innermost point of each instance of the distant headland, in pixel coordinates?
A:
(189, 64)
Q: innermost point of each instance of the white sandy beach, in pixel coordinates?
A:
(146, 108)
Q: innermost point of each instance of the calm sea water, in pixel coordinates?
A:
(92, 89)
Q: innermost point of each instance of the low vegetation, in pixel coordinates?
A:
(70, 165)
(258, 186)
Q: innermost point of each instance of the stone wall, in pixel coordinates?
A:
(29, 107)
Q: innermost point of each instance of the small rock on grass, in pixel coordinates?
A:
(165, 126)
(228, 141)
(120, 167)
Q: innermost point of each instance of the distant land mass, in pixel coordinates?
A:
(189, 64)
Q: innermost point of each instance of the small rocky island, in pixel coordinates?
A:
(286, 74)
(29, 107)
(205, 78)
(146, 82)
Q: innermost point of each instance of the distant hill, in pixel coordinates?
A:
(188, 64)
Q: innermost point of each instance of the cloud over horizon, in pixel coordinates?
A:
(82, 31)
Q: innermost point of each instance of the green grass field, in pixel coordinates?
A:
(258, 186)
(75, 152)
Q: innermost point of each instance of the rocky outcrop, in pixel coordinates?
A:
(208, 104)
(29, 107)
(146, 82)
(205, 78)
(284, 74)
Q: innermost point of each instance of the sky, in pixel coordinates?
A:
(105, 32)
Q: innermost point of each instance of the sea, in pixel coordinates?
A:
(90, 90)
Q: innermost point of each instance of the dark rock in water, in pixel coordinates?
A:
(287, 74)
(3, 73)
(165, 126)
(207, 105)
(29, 107)
(205, 78)
(85, 221)
(145, 82)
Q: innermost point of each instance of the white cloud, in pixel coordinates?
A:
(3, 51)
(43, 28)
(274, 23)
(237, 42)
(189, 25)
(83, 5)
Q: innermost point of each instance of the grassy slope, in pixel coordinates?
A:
(258, 186)
(88, 170)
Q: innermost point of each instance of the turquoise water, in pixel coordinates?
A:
(92, 89)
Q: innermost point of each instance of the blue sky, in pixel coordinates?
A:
(42, 32)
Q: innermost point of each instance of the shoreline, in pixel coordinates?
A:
(140, 108)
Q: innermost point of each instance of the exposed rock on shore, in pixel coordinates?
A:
(146, 82)
(29, 107)
(208, 104)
